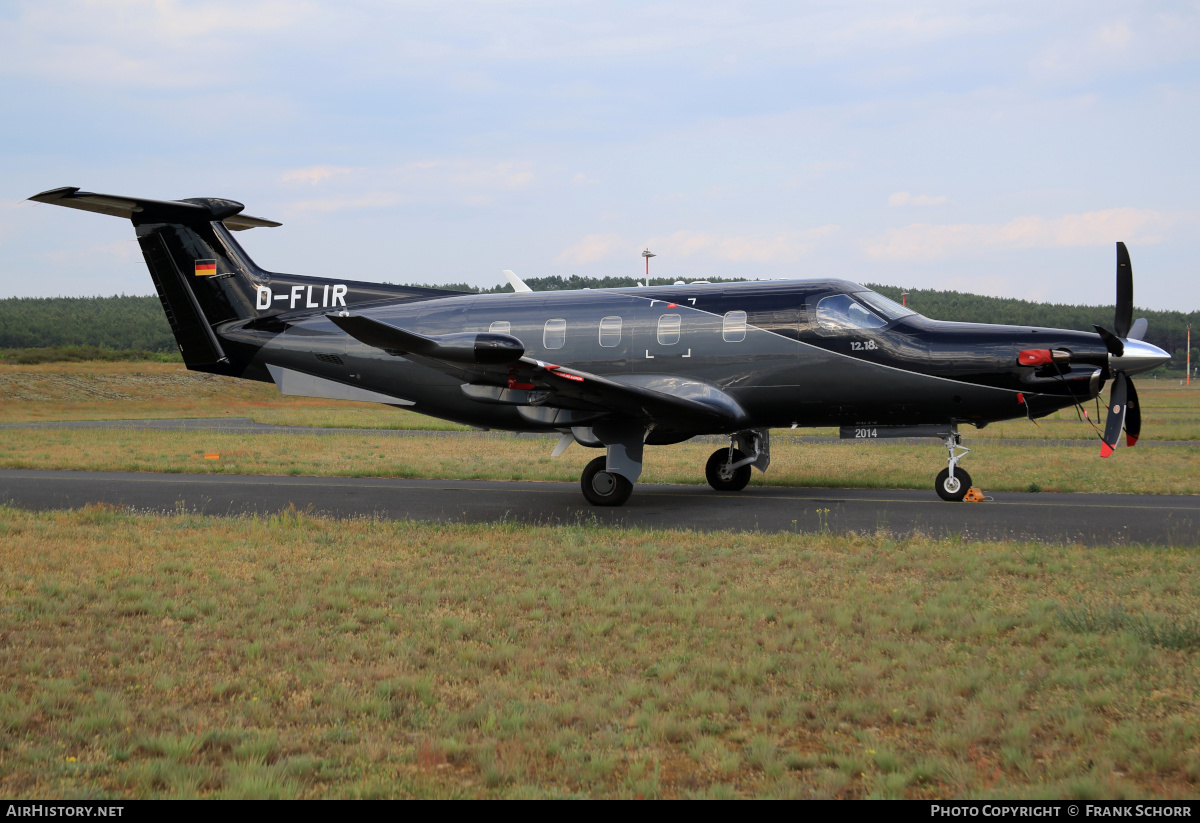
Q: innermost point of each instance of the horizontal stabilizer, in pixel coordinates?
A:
(143, 210)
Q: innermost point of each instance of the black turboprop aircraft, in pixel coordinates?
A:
(621, 368)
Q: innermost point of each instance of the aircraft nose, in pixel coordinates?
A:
(1139, 356)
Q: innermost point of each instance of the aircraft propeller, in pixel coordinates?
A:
(1124, 409)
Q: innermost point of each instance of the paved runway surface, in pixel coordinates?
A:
(1092, 519)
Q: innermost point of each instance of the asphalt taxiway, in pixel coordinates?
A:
(1090, 519)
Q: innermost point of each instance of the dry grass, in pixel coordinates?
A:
(123, 391)
(293, 656)
(1169, 412)
(114, 391)
(140, 391)
(1158, 470)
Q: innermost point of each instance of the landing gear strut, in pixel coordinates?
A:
(728, 470)
(608, 480)
(952, 482)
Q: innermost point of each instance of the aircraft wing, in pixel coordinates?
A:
(494, 369)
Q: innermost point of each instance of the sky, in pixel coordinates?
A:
(999, 148)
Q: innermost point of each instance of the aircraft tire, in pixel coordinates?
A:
(952, 490)
(603, 488)
(721, 478)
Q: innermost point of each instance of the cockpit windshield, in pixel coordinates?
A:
(842, 311)
(888, 308)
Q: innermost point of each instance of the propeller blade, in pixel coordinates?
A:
(1138, 332)
(1124, 314)
(1111, 342)
(1116, 414)
(1133, 416)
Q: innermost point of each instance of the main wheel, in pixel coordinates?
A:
(602, 487)
(721, 477)
(954, 488)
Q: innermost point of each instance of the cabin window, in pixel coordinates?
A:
(841, 311)
(500, 327)
(734, 328)
(555, 334)
(610, 332)
(668, 329)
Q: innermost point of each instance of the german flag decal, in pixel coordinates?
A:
(206, 268)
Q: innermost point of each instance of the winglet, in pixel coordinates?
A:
(517, 283)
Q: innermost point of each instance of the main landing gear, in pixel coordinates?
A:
(952, 483)
(602, 487)
(608, 480)
(728, 470)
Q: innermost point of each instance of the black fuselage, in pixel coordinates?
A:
(783, 365)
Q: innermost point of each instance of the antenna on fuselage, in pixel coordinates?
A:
(517, 283)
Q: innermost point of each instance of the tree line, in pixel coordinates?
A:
(133, 323)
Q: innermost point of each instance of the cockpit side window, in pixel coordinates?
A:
(841, 311)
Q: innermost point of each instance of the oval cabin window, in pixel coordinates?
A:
(554, 336)
(734, 328)
(610, 332)
(668, 329)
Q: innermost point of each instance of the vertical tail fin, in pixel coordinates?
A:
(201, 274)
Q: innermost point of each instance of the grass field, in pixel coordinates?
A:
(140, 391)
(116, 391)
(994, 467)
(103, 391)
(295, 656)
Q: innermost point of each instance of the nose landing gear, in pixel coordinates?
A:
(952, 483)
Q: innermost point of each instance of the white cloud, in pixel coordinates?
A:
(11, 212)
(924, 241)
(903, 198)
(781, 247)
(592, 248)
(314, 174)
(368, 200)
(1114, 37)
(145, 43)
(1137, 41)
(119, 251)
(504, 176)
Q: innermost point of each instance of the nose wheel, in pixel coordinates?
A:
(952, 482)
(953, 488)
